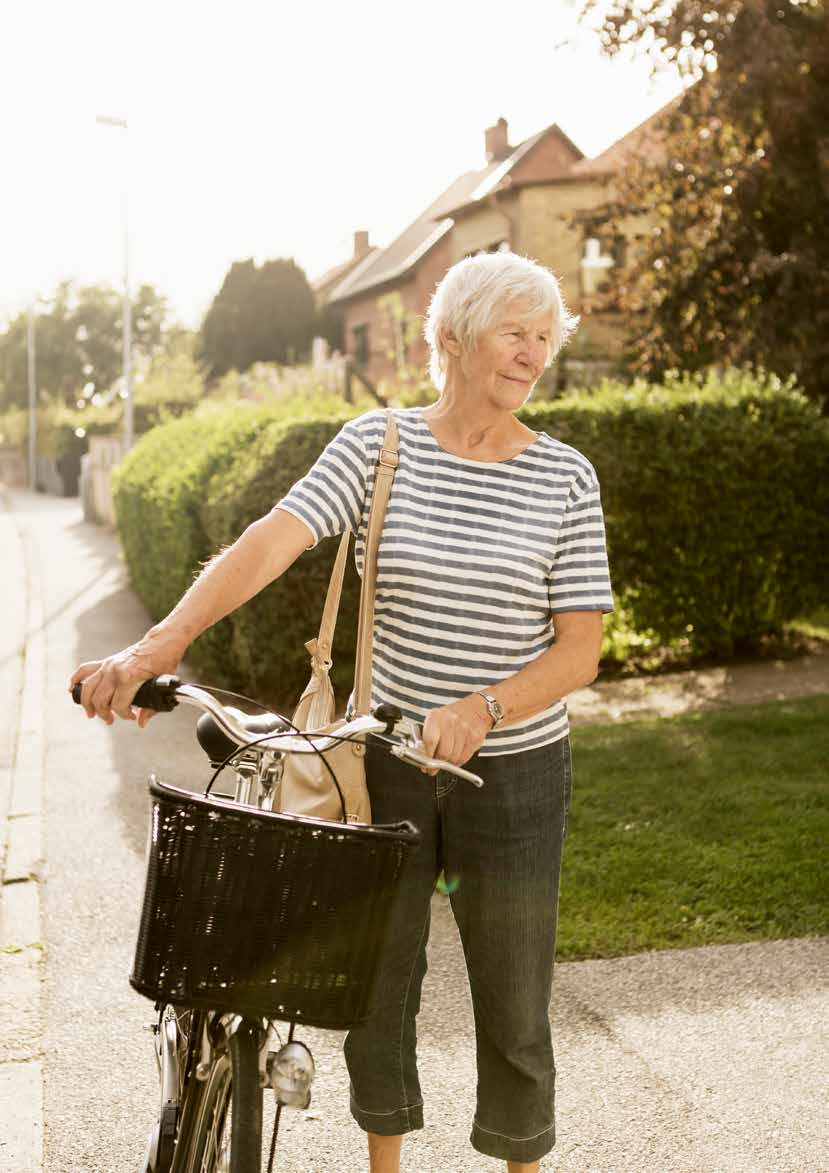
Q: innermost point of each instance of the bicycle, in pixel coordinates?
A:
(250, 917)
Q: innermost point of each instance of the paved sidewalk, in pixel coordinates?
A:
(706, 688)
(21, 851)
(688, 1061)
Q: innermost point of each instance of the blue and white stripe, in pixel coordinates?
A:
(475, 560)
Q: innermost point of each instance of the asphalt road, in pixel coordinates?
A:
(707, 1059)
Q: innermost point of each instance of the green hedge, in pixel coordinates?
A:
(716, 500)
(188, 489)
(63, 432)
(715, 497)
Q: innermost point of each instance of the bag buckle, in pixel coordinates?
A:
(388, 458)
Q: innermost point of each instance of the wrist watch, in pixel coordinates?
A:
(493, 707)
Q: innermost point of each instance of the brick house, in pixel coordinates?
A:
(543, 199)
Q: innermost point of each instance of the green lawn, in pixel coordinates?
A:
(697, 830)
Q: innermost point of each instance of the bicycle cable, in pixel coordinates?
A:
(278, 1115)
(293, 731)
(269, 737)
(236, 695)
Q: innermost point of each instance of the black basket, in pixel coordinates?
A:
(266, 915)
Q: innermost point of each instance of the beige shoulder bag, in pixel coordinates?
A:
(308, 783)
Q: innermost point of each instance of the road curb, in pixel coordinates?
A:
(21, 972)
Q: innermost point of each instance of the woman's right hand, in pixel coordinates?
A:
(109, 685)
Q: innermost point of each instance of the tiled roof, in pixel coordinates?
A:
(643, 140)
(501, 175)
(338, 272)
(414, 242)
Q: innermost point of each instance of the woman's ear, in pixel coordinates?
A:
(450, 343)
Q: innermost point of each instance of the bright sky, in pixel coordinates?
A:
(266, 129)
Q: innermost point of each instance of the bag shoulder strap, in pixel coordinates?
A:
(387, 463)
(328, 623)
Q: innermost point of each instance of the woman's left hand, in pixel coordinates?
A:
(455, 732)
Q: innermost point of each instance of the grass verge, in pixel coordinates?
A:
(697, 830)
(628, 652)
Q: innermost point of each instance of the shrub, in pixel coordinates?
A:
(171, 386)
(159, 491)
(715, 497)
(266, 638)
(188, 489)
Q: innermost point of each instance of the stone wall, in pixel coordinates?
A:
(105, 453)
(12, 467)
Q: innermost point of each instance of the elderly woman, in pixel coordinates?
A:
(492, 579)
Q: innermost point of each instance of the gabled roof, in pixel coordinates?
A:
(643, 141)
(413, 243)
(326, 281)
(433, 224)
(563, 161)
(507, 174)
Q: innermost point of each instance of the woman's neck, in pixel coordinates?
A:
(478, 434)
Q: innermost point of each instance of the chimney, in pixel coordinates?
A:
(361, 245)
(495, 140)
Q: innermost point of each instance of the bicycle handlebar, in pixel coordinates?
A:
(163, 693)
(158, 693)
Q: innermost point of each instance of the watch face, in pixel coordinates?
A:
(494, 708)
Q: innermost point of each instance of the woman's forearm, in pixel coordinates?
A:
(571, 663)
(264, 551)
(457, 731)
(261, 554)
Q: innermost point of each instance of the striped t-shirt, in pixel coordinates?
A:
(475, 560)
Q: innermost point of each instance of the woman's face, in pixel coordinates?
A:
(509, 358)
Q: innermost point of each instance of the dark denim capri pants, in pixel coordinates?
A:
(502, 846)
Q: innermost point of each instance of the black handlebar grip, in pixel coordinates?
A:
(158, 693)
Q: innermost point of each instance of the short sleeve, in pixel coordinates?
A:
(580, 577)
(331, 495)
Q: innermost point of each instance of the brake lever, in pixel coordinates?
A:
(412, 751)
(415, 757)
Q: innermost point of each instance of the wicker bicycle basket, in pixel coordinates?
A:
(264, 914)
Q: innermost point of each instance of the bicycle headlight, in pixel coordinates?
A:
(291, 1073)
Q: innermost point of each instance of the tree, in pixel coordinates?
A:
(79, 342)
(260, 314)
(732, 265)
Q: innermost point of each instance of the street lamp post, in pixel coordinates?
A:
(30, 347)
(127, 307)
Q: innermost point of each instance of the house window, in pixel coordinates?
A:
(361, 352)
(618, 249)
(596, 263)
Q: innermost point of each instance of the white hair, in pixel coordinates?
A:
(474, 294)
